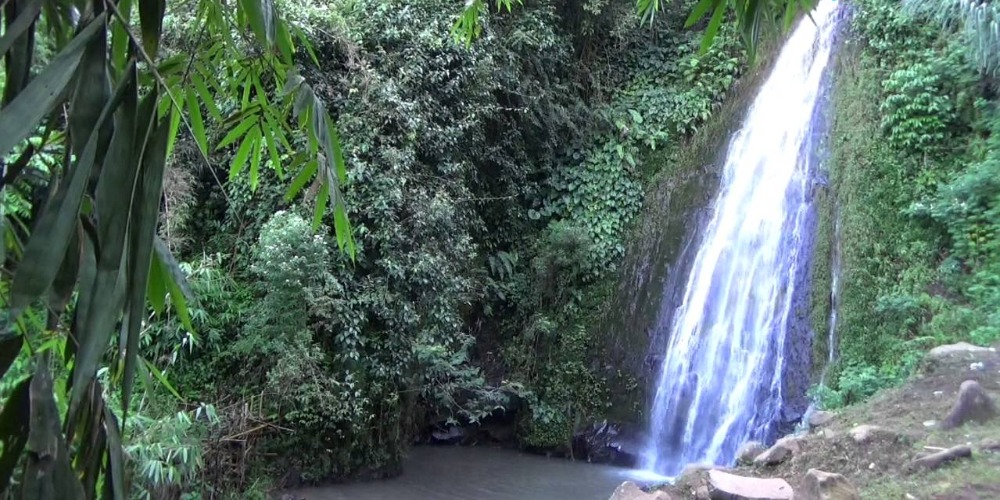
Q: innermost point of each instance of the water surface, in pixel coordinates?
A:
(478, 473)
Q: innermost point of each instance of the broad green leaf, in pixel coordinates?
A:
(713, 27)
(197, 122)
(151, 22)
(20, 118)
(156, 289)
(321, 201)
(699, 11)
(243, 153)
(113, 198)
(14, 418)
(120, 40)
(10, 348)
(47, 245)
(158, 375)
(145, 212)
(176, 282)
(260, 16)
(116, 463)
(255, 161)
(47, 470)
(207, 97)
(28, 12)
(283, 39)
(93, 89)
(237, 132)
(300, 180)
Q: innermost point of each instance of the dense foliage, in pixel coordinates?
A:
(914, 172)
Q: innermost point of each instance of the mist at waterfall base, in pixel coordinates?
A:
(720, 383)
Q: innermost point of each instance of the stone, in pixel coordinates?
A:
(972, 405)
(725, 486)
(868, 433)
(749, 451)
(820, 485)
(631, 491)
(820, 418)
(783, 450)
(943, 351)
(989, 445)
(701, 493)
(935, 460)
(608, 443)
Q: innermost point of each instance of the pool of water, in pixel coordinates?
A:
(466, 473)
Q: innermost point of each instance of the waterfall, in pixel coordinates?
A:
(720, 383)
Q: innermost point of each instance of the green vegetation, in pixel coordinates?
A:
(490, 187)
(914, 179)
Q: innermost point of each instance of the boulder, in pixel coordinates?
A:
(630, 491)
(935, 460)
(820, 485)
(867, 433)
(780, 452)
(820, 418)
(725, 486)
(973, 404)
(749, 451)
(944, 351)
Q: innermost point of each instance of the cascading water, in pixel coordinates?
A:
(720, 383)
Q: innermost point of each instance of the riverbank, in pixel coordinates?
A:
(906, 442)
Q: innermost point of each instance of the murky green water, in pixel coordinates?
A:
(460, 473)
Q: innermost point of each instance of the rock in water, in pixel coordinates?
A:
(973, 404)
(819, 485)
(780, 452)
(943, 351)
(935, 460)
(630, 491)
(749, 451)
(725, 486)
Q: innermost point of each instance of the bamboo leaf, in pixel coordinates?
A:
(156, 289)
(14, 426)
(158, 375)
(237, 132)
(116, 463)
(120, 40)
(10, 348)
(206, 96)
(144, 214)
(47, 245)
(176, 282)
(151, 23)
(260, 16)
(20, 118)
(113, 198)
(47, 470)
(713, 26)
(699, 11)
(255, 162)
(242, 154)
(28, 12)
(300, 180)
(197, 122)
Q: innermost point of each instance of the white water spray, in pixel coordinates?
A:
(720, 384)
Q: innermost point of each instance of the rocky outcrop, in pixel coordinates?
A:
(935, 460)
(725, 486)
(961, 348)
(820, 485)
(972, 405)
(630, 491)
(608, 443)
(749, 451)
(782, 450)
(820, 418)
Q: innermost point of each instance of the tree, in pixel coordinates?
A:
(91, 80)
